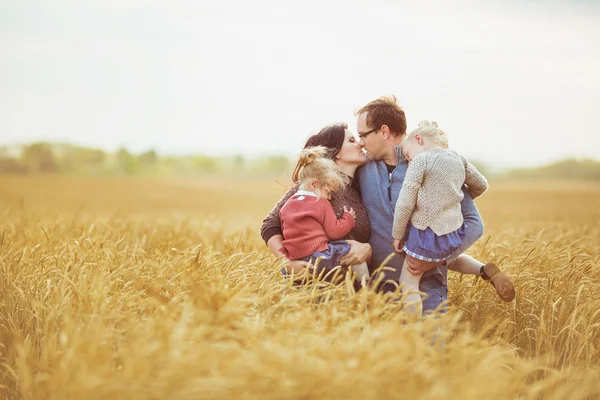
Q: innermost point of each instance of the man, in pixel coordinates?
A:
(381, 127)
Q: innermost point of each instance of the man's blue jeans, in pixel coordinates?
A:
(437, 293)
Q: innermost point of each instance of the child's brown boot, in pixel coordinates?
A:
(501, 282)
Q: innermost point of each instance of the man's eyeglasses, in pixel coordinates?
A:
(365, 134)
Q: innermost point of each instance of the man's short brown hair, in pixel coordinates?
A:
(385, 111)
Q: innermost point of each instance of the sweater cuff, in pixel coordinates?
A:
(270, 232)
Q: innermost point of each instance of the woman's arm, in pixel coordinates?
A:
(275, 243)
(270, 231)
(271, 224)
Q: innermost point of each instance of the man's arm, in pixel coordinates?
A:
(473, 224)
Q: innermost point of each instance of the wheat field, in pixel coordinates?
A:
(163, 289)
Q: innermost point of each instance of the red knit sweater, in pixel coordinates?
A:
(308, 223)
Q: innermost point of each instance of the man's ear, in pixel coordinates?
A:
(385, 130)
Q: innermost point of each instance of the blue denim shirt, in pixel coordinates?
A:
(379, 192)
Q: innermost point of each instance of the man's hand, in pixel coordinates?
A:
(398, 246)
(359, 253)
(351, 212)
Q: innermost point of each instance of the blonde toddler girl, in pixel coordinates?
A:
(428, 222)
(309, 225)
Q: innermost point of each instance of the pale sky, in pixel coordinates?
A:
(511, 82)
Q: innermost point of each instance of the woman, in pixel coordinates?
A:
(348, 156)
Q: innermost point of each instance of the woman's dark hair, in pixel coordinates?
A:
(332, 137)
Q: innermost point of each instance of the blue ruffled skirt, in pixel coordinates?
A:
(427, 246)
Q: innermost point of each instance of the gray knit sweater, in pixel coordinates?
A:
(432, 192)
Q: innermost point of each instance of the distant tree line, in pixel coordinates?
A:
(43, 157)
(585, 169)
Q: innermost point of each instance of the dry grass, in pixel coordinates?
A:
(128, 289)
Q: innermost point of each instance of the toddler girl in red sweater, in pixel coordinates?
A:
(309, 225)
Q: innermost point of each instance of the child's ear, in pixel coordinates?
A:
(313, 183)
(419, 139)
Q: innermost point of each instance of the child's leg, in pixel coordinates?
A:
(466, 264)
(490, 272)
(361, 271)
(410, 285)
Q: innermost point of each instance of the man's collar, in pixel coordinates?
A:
(399, 156)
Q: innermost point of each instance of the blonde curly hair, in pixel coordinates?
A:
(431, 131)
(314, 164)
